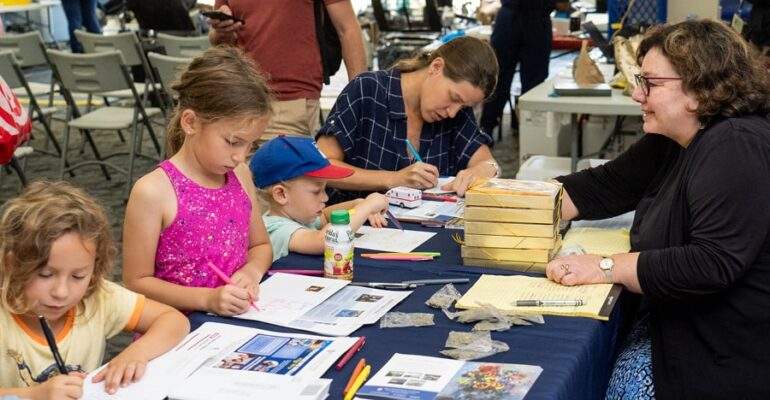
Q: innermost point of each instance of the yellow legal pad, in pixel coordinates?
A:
(503, 291)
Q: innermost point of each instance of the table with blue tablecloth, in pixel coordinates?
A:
(576, 354)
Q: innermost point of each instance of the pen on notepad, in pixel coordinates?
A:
(548, 303)
(51, 339)
(414, 152)
(227, 280)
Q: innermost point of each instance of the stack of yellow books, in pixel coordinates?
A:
(512, 224)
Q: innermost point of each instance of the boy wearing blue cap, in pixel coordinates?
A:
(291, 173)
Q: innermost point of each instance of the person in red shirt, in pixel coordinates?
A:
(15, 124)
(281, 38)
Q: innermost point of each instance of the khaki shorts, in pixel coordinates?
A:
(299, 116)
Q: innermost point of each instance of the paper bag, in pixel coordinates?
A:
(625, 59)
(584, 70)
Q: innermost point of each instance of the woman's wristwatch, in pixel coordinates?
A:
(607, 264)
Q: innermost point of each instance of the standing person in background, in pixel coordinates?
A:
(757, 30)
(281, 38)
(80, 14)
(521, 35)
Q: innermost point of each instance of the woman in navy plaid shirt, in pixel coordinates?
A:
(425, 100)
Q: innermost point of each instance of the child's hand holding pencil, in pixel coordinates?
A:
(228, 300)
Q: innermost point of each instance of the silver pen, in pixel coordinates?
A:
(548, 303)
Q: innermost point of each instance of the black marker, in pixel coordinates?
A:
(52, 344)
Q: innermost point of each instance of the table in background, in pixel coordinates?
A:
(39, 6)
(540, 98)
(576, 354)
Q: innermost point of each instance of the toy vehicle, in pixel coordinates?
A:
(404, 197)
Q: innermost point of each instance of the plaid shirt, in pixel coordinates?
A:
(369, 122)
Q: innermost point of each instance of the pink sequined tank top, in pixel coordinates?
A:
(210, 225)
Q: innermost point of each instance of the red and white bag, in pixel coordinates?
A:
(15, 124)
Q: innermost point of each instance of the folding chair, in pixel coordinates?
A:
(10, 70)
(181, 46)
(127, 43)
(29, 49)
(168, 68)
(17, 165)
(100, 73)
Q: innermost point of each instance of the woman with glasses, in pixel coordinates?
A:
(699, 181)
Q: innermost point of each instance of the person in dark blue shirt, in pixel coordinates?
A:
(521, 37)
(424, 102)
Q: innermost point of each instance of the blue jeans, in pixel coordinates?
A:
(80, 14)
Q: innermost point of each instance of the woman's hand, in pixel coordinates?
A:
(484, 169)
(576, 270)
(125, 369)
(59, 387)
(228, 300)
(418, 175)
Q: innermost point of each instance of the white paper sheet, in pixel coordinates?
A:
(430, 211)
(349, 309)
(284, 298)
(441, 182)
(388, 239)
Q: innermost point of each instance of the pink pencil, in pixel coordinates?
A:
(226, 279)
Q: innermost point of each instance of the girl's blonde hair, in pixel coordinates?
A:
(220, 83)
(30, 223)
(465, 59)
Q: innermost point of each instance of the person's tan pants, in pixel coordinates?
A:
(299, 117)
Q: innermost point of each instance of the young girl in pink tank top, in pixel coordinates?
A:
(199, 207)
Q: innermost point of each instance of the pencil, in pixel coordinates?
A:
(49, 337)
(226, 279)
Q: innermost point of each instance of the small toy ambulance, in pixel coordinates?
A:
(404, 197)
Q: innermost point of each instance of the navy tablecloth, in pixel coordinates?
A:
(576, 354)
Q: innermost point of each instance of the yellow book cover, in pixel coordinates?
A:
(503, 292)
(499, 254)
(515, 215)
(503, 229)
(507, 265)
(511, 193)
(510, 242)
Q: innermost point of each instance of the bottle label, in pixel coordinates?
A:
(338, 253)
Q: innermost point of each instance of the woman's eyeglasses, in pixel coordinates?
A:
(644, 82)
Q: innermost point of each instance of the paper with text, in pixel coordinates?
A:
(388, 239)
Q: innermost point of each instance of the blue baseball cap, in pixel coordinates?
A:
(287, 157)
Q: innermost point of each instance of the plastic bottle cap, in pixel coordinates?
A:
(340, 217)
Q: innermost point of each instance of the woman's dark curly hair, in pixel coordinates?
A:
(718, 67)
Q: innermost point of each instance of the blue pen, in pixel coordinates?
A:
(411, 148)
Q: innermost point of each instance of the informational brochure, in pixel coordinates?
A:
(412, 377)
(349, 309)
(284, 298)
(263, 364)
(389, 239)
(321, 305)
(233, 362)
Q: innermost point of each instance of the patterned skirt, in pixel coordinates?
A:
(632, 375)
